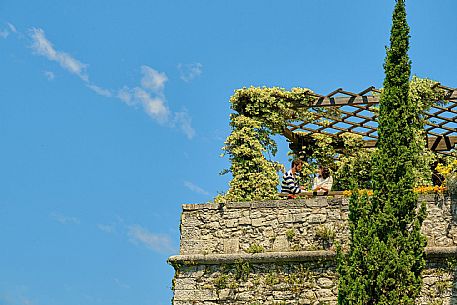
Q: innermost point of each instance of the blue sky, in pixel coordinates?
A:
(113, 114)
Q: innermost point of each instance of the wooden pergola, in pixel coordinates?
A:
(358, 115)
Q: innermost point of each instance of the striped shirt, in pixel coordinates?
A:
(289, 184)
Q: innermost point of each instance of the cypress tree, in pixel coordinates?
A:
(386, 255)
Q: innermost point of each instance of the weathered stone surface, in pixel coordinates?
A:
(232, 245)
(244, 221)
(325, 282)
(295, 268)
(281, 244)
(317, 218)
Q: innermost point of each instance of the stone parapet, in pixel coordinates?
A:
(292, 225)
(282, 252)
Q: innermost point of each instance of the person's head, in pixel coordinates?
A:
(323, 171)
(297, 165)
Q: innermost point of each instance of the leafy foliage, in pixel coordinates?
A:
(448, 169)
(386, 254)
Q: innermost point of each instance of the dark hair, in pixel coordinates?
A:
(325, 171)
(296, 162)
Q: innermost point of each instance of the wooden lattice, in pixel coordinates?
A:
(358, 115)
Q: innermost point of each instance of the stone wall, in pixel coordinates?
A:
(281, 252)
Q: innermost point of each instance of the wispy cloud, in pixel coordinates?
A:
(49, 75)
(195, 188)
(149, 94)
(4, 33)
(156, 242)
(121, 284)
(153, 79)
(42, 46)
(64, 219)
(106, 228)
(11, 27)
(154, 106)
(184, 121)
(125, 95)
(188, 72)
(16, 299)
(99, 90)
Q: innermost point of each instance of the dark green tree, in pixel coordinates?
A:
(386, 255)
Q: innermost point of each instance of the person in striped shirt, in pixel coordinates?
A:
(289, 183)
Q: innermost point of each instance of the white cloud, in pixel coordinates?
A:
(64, 219)
(188, 72)
(99, 90)
(125, 95)
(156, 242)
(4, 33)
(149, 94)
(153, 105)
(11, 27)
(153, 79)
(195, 188)
(49, 75)
(27, 301)
(121, 284)
(184, 121)
(44, 47)
(106, 228)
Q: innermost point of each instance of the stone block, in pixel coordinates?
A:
(224, 294)
(184, 295)
(299, 217)
(244, 221)
(185, 283)
(281, 244)
(316, 202)
(324, 293)
(197, 246)
(176, 302)
(233, 214)
(325, 282)
(285, 218)
(231, 223)
(206, 295)
(255, 214)
(258, 222)
(317, 218)
(232, 245)
(238, 205)
(188, 220)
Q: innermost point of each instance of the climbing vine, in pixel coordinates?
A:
(261, 113)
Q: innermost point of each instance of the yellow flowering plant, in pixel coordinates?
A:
(448, 170)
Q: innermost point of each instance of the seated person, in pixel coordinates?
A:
(323, 181)
(289, 180)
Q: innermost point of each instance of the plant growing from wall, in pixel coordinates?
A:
(255, 248)
(386, 253)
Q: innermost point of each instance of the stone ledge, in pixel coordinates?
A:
(272, 257)
(280, 203)
(269, 257)
(441, 252)
(315, 201)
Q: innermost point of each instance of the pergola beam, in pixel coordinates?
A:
(441, 143)
(440, 127)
